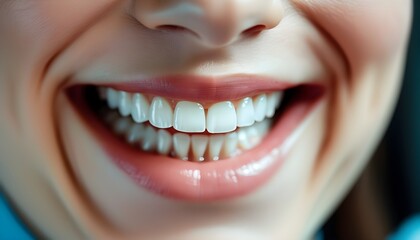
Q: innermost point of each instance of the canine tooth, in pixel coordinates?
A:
(215, 145)
(124, 104)
(164, 142)
(260, 106)
(160, 113)
(273, 101)
(245, 112)
(135, 133)
(112, 98)
(122, 125)
(230, 145)
(181, 143)
(199, 146)
(149, 140)
(189, 117)
(139, 108)
(221, 117)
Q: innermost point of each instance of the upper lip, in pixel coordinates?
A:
(203, 88)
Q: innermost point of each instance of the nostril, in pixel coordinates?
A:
(171, 28)
(174, 28)
(255, 30)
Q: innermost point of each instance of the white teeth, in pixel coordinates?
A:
(135, 133)
(221, 118)
(273, 100)
(160, 113)
(112, 98)
(230, 146)
(121, 126)
(149, 140)
(199, 146)
(215, 145)
(164, 142)
(248, 138)
(139, 108)
(245, 112)
(189, 117)
(243, 140)
(262, 127)
(253, 136)
(260, 106)
(124, 103)
(182, 145)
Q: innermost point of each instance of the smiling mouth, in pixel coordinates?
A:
(185, 139)
(188, 130)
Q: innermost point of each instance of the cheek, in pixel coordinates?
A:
(364, 29)
(33, 32)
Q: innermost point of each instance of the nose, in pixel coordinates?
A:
(215, 23)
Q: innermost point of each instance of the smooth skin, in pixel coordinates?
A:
(64, 184)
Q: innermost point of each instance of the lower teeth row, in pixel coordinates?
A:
(193, 147)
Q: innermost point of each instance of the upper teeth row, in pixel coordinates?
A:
(191, 117)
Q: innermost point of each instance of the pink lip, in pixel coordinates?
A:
(204, 89)
(219, 180)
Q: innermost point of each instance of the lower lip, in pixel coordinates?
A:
(201, 182)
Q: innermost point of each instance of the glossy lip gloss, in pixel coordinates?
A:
(208, 181)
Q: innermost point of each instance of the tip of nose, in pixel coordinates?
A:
(216, 24)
